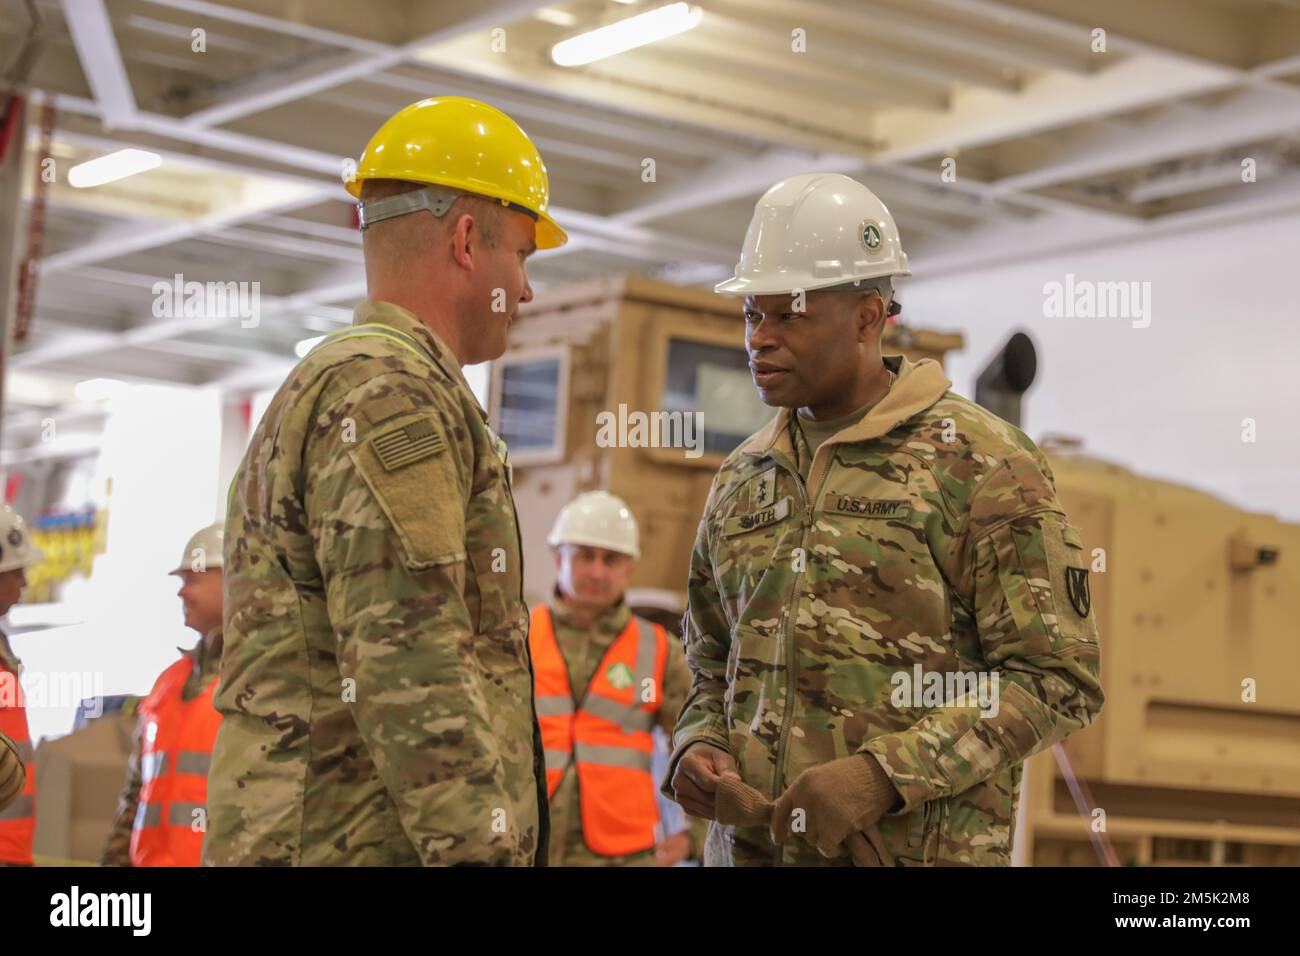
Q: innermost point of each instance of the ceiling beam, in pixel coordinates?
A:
(726, 180)
(275, 88)
(638, 98)
(101, 60)
(978, 42)
(831, 68)
(259, 21)
(873, 56)
(1251, 115)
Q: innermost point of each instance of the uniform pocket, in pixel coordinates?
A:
(1071, 588)
(749, 553)
(490, 585)
(904, 838)
(1055, 569)
(751, 666)
(749, 700)
(409, 467)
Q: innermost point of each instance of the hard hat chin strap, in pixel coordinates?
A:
(434, 199)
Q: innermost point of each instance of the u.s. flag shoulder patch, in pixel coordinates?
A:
(407, 444)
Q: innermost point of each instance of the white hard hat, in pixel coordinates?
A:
(815, 231)
(16, 548)
(203, 550)
(598, 520)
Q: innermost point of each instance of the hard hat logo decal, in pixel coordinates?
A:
(620, 676)
(870, 236)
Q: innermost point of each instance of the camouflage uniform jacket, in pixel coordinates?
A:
(117, 848)
(376, 685)
(928, 538)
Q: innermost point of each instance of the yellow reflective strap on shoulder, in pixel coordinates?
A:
(379, 331)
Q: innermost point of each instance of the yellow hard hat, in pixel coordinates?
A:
(463, 144)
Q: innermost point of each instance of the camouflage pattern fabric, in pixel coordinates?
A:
(928, 540)
(376, 685)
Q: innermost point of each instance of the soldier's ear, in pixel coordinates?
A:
(871, 317)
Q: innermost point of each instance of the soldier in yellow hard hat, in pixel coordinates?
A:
(376, 692)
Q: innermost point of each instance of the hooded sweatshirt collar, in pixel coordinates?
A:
(919, 385)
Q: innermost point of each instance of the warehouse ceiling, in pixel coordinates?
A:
(993, 129)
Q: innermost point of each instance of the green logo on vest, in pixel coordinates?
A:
(620, 676)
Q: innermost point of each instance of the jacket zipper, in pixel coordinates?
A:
(792, 613)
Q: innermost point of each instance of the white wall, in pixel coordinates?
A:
(162, 450)
(1167, 400)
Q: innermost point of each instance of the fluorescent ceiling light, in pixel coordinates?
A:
(306, 345)
(98, 389)
(114, 166)
(562, 18)
(657, 24)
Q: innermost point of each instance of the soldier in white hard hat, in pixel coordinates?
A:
(161, 814)
(18, 812)
(604, 679)
(880, 525)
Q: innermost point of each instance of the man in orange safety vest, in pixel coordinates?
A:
(18, 817)
(603, 680)
(162, 814)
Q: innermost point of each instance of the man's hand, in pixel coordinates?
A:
(13, 776)
(695, 781)
(674, 849)
(825, 804)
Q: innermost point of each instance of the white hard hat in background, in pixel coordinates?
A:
(203, 550)
(16, 548)
(598, 520)
(815, 231)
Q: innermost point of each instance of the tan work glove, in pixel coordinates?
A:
(839, 798)
(13, 775)
(740, 805)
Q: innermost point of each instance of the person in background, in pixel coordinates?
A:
(604, 679)
(161, 814)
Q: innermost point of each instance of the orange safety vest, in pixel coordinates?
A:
(18, 820)
(176, 738)
(608, 736)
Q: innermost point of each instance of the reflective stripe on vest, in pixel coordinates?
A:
(607, 739)
(21, 807)
(18, 821)
(177, 736)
